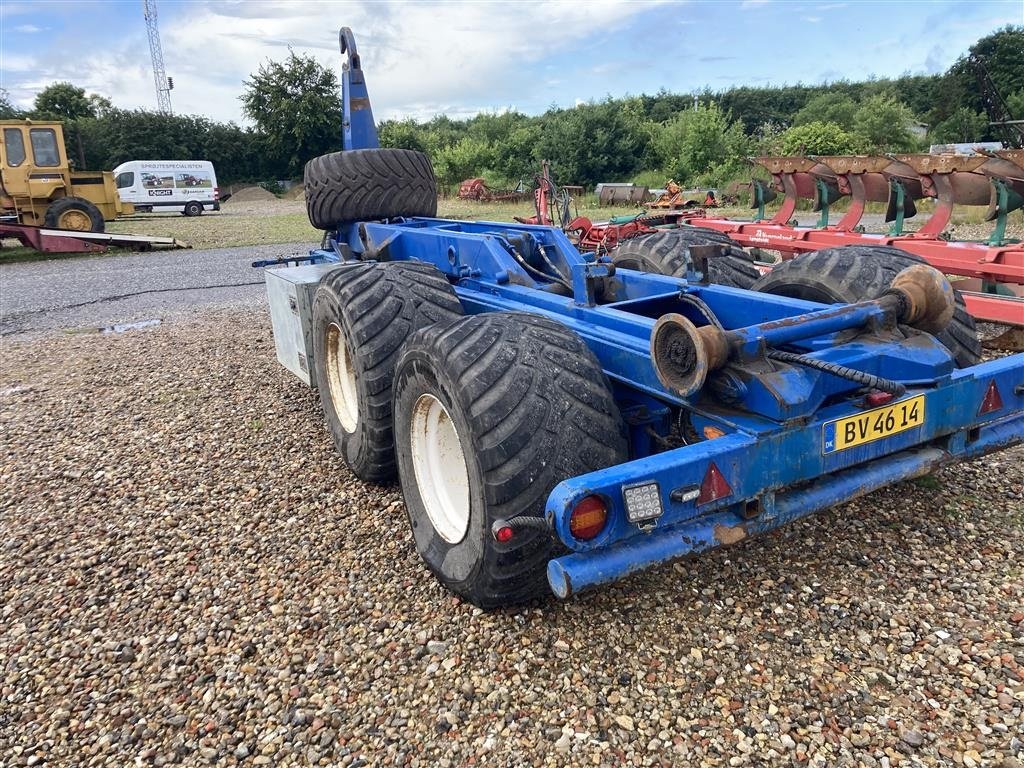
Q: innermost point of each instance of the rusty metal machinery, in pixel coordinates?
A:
(991, 179)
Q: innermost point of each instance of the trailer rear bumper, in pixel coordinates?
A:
(773, 480)
(571, 573)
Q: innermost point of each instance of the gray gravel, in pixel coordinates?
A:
(188, 575)
(98, 291)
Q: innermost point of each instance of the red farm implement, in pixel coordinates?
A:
(995, 180)
(477, 189)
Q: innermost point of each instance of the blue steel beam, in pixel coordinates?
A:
(571, 573)
(358, 130)
(756, 462)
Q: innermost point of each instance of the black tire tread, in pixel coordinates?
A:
(380, 304)
(368, 184)
(852, 273)
(667, 252)
(541, 412)
(62, 204)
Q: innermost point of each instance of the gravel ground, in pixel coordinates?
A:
(188, 575)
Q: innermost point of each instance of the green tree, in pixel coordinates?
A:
(695, 141)
(7, 109)
(68, 103)
(123, 135)
(63, 101)
(963, 125)
(590, 143)
(884, 123)
(296, 107)
(1001, 54)
(768, 138)
(819, 139)
(442, 132)
(402, 134)
(1015, 103)
(829, 107)
(100, 105)
(467, 159)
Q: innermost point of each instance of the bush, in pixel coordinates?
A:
(819, 138)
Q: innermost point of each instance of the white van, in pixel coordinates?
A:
(182, 186)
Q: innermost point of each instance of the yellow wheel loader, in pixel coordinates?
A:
(38, 187)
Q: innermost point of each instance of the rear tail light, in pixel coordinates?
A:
(216, 193)
(875, 399)
(992, 401)
(714, 486)
(588, 518)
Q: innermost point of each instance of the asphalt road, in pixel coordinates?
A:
(95, 292)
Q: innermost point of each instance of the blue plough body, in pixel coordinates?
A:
(772, 424)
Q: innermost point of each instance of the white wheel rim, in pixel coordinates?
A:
(440, 468)
(341, 379)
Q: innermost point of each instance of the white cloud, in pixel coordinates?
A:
(748, 4)
(812, 19)
(29, 29)
(419, 58)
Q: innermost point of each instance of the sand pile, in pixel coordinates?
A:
(298, 192)
(251, 195)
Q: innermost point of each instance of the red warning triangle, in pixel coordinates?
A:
(993, 401)
(714, 486)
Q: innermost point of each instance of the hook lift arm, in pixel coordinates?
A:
(357, 128)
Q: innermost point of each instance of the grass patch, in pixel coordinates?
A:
(268, 222)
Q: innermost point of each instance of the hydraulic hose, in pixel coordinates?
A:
(865, 379)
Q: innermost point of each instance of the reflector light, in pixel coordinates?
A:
(588, 518)
(992, 401)
(504, 534)
(875, 399)
(643, 502)
(714, 486)
(711, 433)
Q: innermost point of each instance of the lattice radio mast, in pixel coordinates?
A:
(163, 83)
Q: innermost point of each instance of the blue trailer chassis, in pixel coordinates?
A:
(771, 428)
(763, 449)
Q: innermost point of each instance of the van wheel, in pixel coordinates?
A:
(74, 213)
(193, 208)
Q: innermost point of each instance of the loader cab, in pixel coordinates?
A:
(38, 187)
(33, 162)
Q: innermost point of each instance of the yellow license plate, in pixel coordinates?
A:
(873, 425)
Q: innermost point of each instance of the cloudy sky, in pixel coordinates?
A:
(458, 58)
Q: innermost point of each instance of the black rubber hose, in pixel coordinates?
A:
(866, 379)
